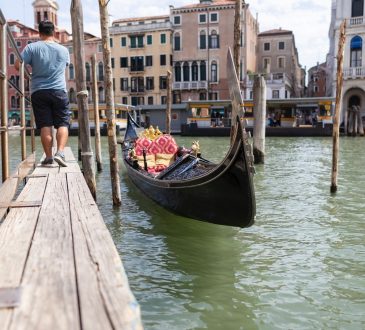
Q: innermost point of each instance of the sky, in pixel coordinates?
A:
(308, 19)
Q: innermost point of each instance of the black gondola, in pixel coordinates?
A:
(197, 188)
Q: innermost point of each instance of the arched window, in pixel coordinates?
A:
(186, 73)
(72, 95)
(203, 71)
(356, 52)
(13, 102)
(177, 41)
(101, 71)
(214, 71)
(87, 67)
(177, 71)
(71, 72)
(203, 40)
(101, 95)
(194, 71)
(214, 40)
(357, 8)
(11, 59)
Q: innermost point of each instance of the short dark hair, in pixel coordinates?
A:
(46, 28)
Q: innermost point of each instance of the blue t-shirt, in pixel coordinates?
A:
(48, 61)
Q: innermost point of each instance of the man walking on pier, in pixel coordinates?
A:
(48, 60)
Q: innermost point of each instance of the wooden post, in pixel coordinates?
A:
(336, 123)
(80, 75)
(109, 100)
(237, 37)
(168, 103)
(22, 112)
(4, 102)
(95, 94)
(259, 112)
(359, 122)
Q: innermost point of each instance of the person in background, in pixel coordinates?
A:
(50, 103)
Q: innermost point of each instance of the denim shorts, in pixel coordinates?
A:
(51, 108)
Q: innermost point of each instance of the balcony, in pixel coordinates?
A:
(190, 85)
(271, 79)
(354, 73)
(360, 20)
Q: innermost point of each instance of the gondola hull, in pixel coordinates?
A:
(224, 195)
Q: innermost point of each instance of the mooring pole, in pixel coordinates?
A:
(109, 100)
(259, 113)
(168, 103)
(82, 94)
(336, 122)
(237, 37)
(22, 111)
(99, 163)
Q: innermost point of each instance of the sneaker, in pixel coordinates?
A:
(47, 161)
(60, 159)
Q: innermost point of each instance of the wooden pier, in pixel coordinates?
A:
(59, 267)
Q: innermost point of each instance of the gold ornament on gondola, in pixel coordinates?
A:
(151, 133)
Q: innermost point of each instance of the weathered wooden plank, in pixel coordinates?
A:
(49, 299)
(16, 234)
(72, 165)
(106, 281)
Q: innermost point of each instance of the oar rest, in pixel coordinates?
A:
(160, 153)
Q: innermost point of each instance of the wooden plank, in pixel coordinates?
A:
(16, 233)
(72, 164)
(49, 299)
(106, 286)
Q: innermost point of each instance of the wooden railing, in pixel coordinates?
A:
(6, 38)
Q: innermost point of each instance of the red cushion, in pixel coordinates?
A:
(166, 144)
(142, 143)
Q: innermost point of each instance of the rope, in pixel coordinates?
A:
(87, 153)
(83, 93)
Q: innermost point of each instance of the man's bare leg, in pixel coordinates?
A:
(62, 137)
(46, 139)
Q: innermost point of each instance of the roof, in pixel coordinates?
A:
(209, 4)
(275, 32)
(136, 19)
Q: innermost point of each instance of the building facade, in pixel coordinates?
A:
(201, 37)
(141, 51)
(277, 57)
(353, 69)
(317, 76)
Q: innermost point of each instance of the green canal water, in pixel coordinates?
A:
(301, 266)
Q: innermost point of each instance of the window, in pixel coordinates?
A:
(176, 98)
(163, 38)
(213, 96)
(149, 60)
(150, 100)
(194, 71)
(137, 63)
(214, 17)
(177, 40)
(214, 71)
(186, 71)
(101, 71)
(281, 45)
(357, 8)
(214, 40)
(111, 42)
(71, 72)
(281, 62)
(136, 41)
(267, 46)
(177, 72)
(100, 48)
(202, 96)
(315, 89)
(112, 62)
(275, 93)
(203, 71)
(13, 102)
(266, 63)
(18, 44)
(137, 84)
(70, 50)
(163, 99)
(177, 20)
(356, 52)
(124, 84)
(251, 95)
(123, 41)
(162, 60)
(203, 40)
(202, 18)
(72, 95)
(150, 83)
(163, 82)
(149, 39)
(124, 62)
(125, 99)
(87, 67)
(11, 59)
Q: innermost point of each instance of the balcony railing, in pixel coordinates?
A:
(356, 21)
(188, 85)
(354, 73)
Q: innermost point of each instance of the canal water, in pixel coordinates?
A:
(300, 266)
